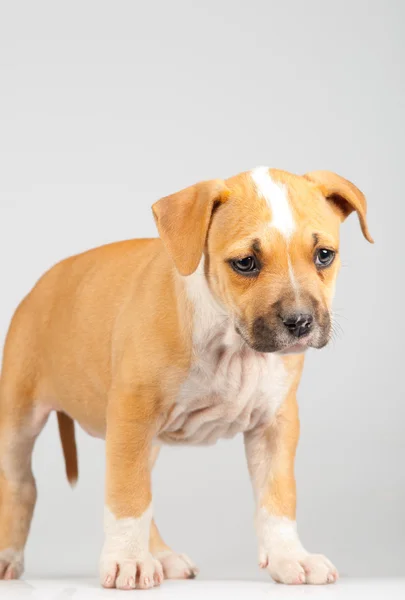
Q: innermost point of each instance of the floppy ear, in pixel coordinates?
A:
(345, 196)
(183, 219)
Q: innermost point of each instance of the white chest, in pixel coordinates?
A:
(229, 389)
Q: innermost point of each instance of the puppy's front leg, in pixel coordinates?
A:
(271, 453)
(126, 562)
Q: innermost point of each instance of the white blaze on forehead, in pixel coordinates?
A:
(276, 197)
(282, 218)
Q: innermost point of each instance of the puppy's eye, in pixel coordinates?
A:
(324, 257)
(245, 266)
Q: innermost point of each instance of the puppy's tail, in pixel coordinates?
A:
(67, 437)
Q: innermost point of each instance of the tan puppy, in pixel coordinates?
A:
(185, 339)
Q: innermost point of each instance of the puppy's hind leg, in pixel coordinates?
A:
(175, 566)
(20, 424)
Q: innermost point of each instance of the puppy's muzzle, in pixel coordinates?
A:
(278, 332)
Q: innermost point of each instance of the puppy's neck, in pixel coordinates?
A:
(211, 322)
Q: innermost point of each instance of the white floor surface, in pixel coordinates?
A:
(83, 589)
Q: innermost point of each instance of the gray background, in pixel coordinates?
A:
(104, 108)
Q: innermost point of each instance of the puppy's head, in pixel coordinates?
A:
(271, 246)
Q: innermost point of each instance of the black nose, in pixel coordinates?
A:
(298, 324)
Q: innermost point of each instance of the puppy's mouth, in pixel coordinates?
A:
(283, 348)
(267, 340)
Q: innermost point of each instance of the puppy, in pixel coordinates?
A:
(196, 336)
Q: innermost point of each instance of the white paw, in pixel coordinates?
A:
(143, 572)
(307, 568)
(177, 566)
(11, 563)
